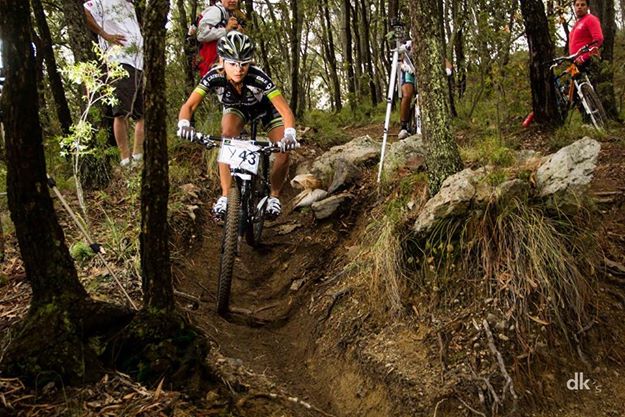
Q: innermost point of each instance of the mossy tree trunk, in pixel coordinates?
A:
(443, 157)
(49, 266)
(541, 50)
(56, 83)
(158, 342)
(50, 342)
(187, 59)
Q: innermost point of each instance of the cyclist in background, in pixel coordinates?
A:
(246, 93)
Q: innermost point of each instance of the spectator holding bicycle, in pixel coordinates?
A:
(247, 93)
(585, 31)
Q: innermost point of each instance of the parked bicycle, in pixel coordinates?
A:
(247, 199)
(573, 88)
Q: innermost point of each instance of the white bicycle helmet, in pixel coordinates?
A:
(236, 46)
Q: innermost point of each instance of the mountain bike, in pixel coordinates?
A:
(573, 88)
(247, 199)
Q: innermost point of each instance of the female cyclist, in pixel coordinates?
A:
(246, 93)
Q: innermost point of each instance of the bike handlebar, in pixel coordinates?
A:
(211, 141)
(582, 50)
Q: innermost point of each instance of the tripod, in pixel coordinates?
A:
(395, 84)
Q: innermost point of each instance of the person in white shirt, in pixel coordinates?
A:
(115, 23)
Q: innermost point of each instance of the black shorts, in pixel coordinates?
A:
(129, 93)
(264, 111)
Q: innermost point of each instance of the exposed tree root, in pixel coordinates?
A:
(281, 397)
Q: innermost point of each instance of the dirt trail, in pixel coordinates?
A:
(271, 338)
(269, 331)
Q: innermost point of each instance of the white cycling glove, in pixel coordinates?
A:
(185, 130)
(289, 141)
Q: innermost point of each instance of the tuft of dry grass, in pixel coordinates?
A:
(536, 263)
(382, 264)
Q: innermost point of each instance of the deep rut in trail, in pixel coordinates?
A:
(267, 333)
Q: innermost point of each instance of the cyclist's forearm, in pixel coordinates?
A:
(283, 108)
(189, 107)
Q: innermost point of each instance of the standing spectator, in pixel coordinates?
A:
(586, 30)
(408, 89)
(115, 23)
(214, 22)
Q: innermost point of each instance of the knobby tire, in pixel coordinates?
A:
(256, 215)
(598, 116)
(228, 249)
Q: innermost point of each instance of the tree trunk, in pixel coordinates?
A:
(262, 44)
(540, 51)
(348, 58)
(56, 83)
(49, 267)
(461, 70)
(604, 10)
(393, 11)
(80, 37)
(330, 54)
(296, 36)
(443, 157)
(51, 342)
(154, 238)
(44, 120)
(358, 64)
(366, 48)
(187, 60)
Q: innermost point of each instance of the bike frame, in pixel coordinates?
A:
(244, 180)
(576, 80)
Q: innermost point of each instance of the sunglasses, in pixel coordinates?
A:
(236, 63)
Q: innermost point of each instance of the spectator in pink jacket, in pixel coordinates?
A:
(587, 29)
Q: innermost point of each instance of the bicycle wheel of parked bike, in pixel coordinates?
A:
(595, 108)
(257, 204)
(228, 249)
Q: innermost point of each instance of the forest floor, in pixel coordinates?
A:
(274, 353)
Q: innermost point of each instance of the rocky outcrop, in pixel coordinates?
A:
(564, 175)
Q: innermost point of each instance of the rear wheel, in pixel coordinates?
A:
(256, 211)
(228, 249)
(593, 107)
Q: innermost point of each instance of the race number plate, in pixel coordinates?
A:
(239, 154)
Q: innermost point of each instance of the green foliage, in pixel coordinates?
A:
(488, 150)
(81, 252)
(572, 131)
(496, 177)
(329, 127)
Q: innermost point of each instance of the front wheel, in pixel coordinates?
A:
(593, 107)
(228, 249)
(257, 205)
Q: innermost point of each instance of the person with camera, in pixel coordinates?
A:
(215, 21)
